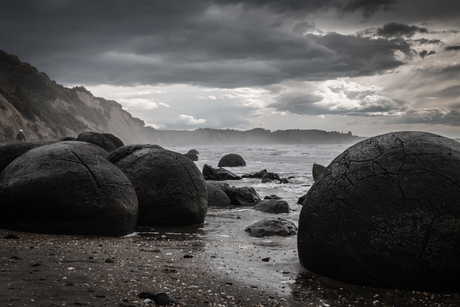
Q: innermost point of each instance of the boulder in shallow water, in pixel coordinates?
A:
(385, 213)
(216, 195)
(170, 188)
(244, 196)
(275, 206)
(317, 170)
(231, 160)
(218, 174)
(67, 188)
(192, 156)
(272, 227)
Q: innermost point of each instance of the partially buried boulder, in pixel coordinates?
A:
(106, 141)
(231, 160)
(274, 206)
(385, 213)
(216, 195)
(272, 227)
(170, 188)
(218, 174)
(67, 188)
(244, 196)
(317, 170)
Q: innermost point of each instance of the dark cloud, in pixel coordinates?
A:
(450, 92)
(398, 30)
(366, 7)
(452, 48)
(207, 43)
(435, 116)
(369, 7)
(424, 41)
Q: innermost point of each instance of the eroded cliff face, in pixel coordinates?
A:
(29, 100)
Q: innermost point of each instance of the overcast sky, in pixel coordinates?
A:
(365, 66)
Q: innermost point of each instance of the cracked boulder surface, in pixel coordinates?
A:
(106, 141)
(170, 188)
(386, 213)
(11, 151)
(67, 188)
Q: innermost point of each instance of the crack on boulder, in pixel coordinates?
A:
(422, 252)
(88, 169)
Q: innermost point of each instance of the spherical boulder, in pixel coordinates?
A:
(11, 151)
(106, 141)
(67, 188)
(170, 188)
(386, 213)
(231, 160)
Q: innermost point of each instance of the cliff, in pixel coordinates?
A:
(29, 100)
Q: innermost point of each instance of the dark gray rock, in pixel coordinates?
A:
(216, 195)
(273, 196)
(271, 176)
(244, 196)
(274, 206)
(385, 213)
(67, 188)
(192, 156)
(231, 160)
(170, 188)
(301, 199)
(219, 174)
(11, 151)
(317, 170)
(272, 227)
(106, 141)
(193, 151)
(259, 174)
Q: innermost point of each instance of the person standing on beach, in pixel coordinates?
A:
(21, 137)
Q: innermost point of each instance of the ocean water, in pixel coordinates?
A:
(227, 225)
(285, 160)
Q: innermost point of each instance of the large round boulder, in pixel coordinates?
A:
(67, 188)
(11, 151)
(386, 213)
(107, 141)
(170, 188)
(231, 160)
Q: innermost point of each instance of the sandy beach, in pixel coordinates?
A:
(58, 270)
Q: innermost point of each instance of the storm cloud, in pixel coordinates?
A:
(238, 63)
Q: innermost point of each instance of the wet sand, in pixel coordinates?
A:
(196, 270)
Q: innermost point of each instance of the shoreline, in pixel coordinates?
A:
(57, 270)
